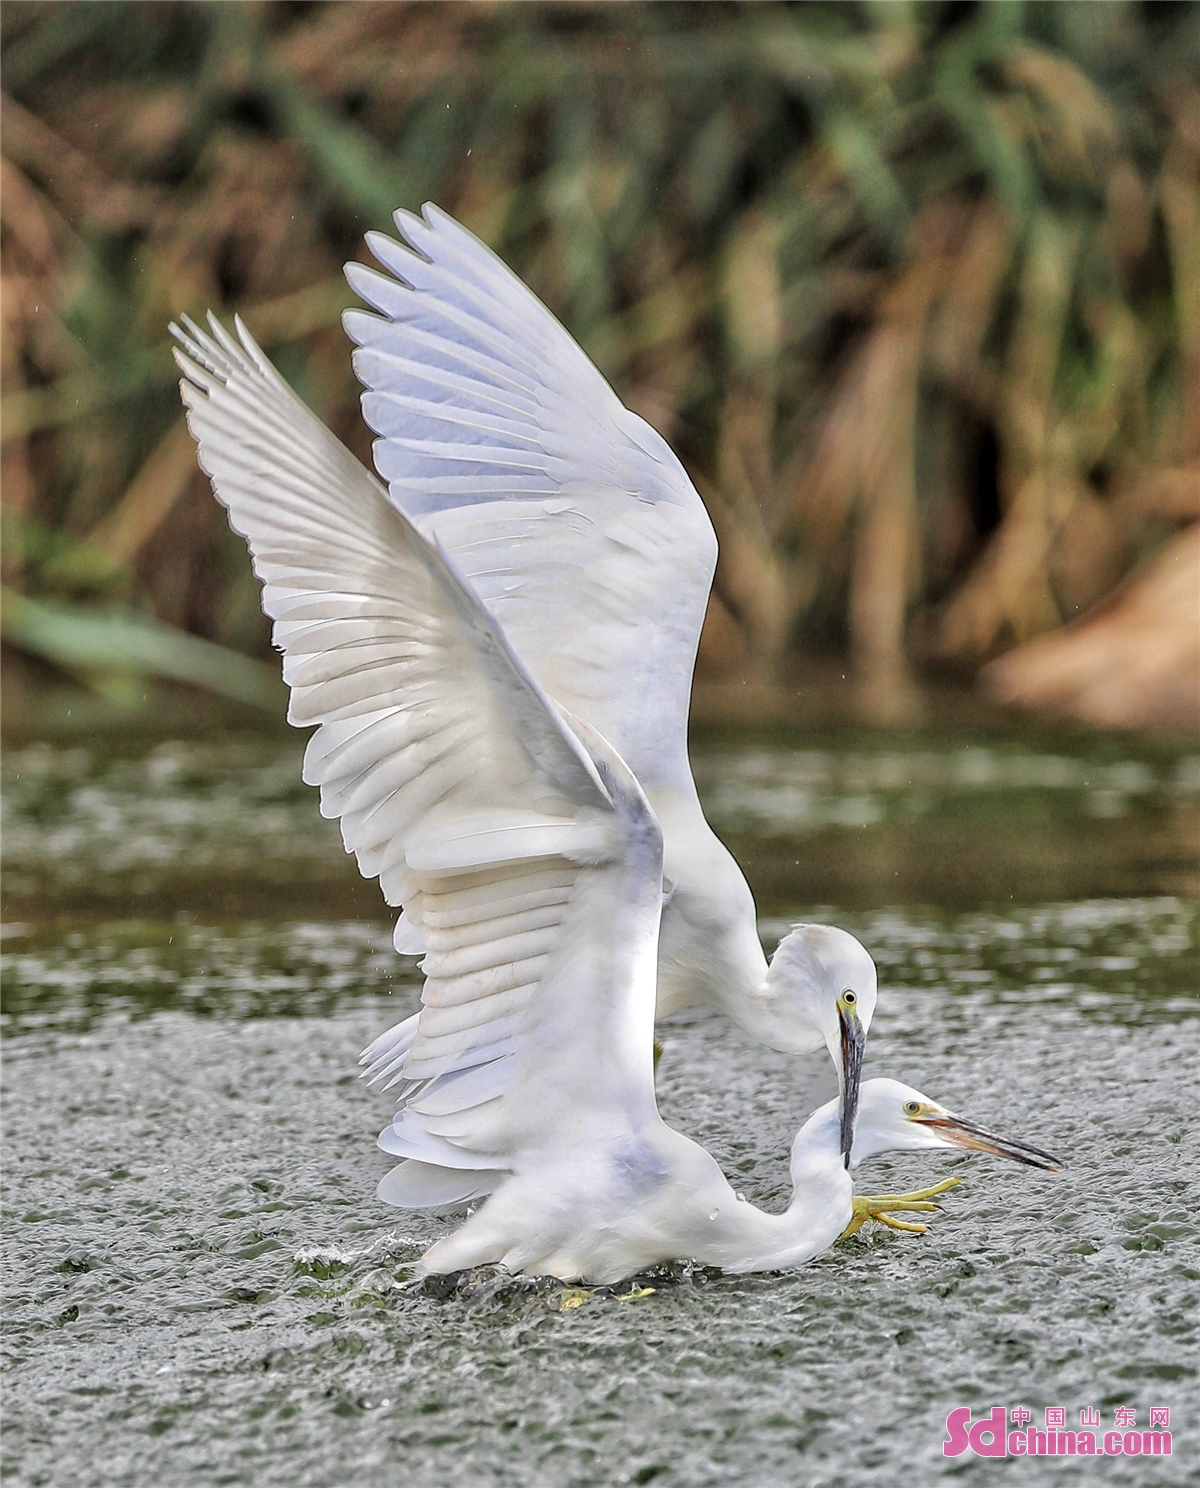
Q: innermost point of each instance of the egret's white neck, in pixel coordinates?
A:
(709, 950)
(769, 1018)
(746, 1239)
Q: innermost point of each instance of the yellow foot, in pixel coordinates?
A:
(882, 1206)
(569, 1298)
(572, 1297)
(635, 1294)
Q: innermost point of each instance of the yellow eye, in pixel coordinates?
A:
(911, 1108)
(849, 998)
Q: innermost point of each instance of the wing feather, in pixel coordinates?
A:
(570, 515)
(517, 838)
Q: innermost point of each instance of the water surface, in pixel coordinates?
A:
(201, 1288)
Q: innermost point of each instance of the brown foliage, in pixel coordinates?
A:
(917, 295)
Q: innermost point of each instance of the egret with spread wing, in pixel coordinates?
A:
(526, 851)
(580, 531)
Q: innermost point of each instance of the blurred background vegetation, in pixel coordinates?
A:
(913, 288)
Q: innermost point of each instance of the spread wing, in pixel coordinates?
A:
(514, 847)
(571, 517)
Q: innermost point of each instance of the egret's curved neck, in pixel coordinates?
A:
(770, 1013)
(709, 950)
(744, 1238)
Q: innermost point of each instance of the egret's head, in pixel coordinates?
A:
(896, 1118)
(822, 986)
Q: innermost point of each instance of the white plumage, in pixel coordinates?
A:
(535, 534)
(528, 860)
(580, 531)
(456, 780)
(570, 516)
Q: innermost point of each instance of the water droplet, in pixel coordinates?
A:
(714, 1214)
(741, 1198)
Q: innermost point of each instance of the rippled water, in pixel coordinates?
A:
(200, 1287)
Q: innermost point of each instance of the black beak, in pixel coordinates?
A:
(960, 1133)
(852, 1040)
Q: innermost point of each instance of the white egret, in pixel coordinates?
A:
(579, 531)
(527, 852)
(603, 1214)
